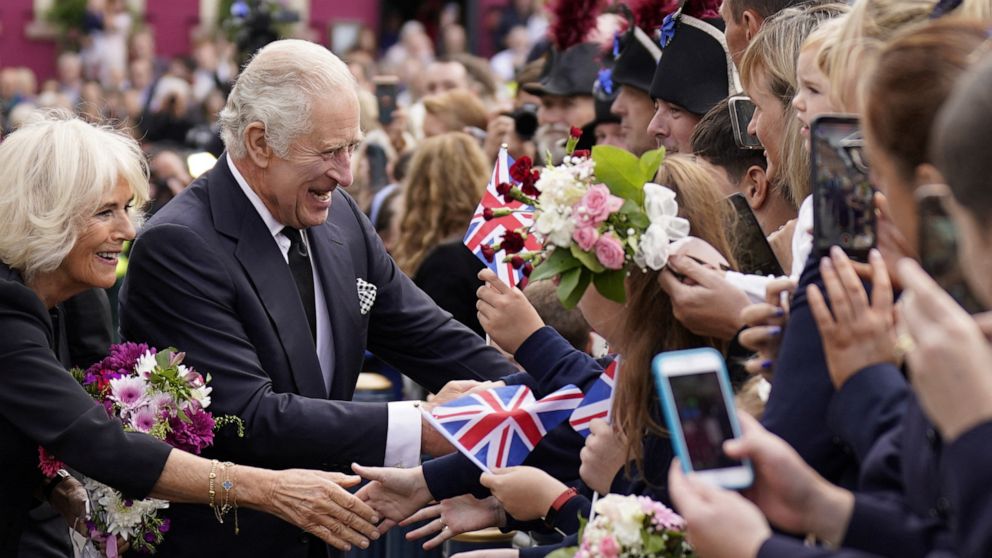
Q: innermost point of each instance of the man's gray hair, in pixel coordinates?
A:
(277, 89)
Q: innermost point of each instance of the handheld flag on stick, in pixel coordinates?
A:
(499, 427)
(598, 401)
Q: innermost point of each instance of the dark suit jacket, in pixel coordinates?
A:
(41, 404)
(206, 276)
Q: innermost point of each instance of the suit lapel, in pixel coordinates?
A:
(337, 275)
(259, 255)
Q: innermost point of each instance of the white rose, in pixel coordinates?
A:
(556, 226)
(663, 210)
(652, 250)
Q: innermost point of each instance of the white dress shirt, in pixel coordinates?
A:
(403, 429)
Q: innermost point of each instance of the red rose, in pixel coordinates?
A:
(513, 242)
(575, 132)
(520, 168)
(488, 252)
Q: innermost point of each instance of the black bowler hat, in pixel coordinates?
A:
(637, 60)
(603, 116)
(569, 73)
(695, 71)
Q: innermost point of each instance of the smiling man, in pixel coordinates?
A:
(272, 280)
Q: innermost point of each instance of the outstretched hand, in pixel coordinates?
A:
(604, 453)
(395, 494)
(452, 517)
(525, 492)
(505, 313)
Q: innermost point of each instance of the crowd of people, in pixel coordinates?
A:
(858, 376)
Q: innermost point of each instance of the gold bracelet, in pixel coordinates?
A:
(210, 486)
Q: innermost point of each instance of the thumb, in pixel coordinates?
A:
(370, 473)
(343, 480)
(690, 268)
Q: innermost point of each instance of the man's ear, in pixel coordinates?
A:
(928, 174)
(755, 187)
(258, 147)
(752, 23)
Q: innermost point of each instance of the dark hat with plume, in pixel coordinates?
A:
(572, 63)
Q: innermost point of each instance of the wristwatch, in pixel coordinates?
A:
(49, 487)
(557, 505)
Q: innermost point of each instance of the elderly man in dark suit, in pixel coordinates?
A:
(274, 282)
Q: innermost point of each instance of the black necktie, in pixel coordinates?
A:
(302, 270)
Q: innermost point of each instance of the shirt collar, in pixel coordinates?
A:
(274, 226)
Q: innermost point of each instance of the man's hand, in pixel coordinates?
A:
(525, 492)
(787, 490)
(948, 365)
(857, 333)
(705, 302)
(603, 455)
(720, 523)
(453, 517)
(505, 313)
(395, 494)
(457, 388)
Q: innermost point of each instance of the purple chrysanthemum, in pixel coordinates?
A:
(194, 435)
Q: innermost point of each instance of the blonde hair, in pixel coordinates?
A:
(457, 109)
(277, 88)
(773, 54)
(974, 9)
(822, 42)
(447, 177)
(867, 28)
(57, 171)
(651, 325)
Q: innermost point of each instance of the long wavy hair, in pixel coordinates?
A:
(447, 177)
(650, 326)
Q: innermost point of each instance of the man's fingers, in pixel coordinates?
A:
(670, 283)
(353, 512)
(343, 480)
(691, 269)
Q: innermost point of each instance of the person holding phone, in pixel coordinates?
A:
(637, 330)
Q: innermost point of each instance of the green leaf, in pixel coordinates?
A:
(650, 163)
(653, 544)
(565, 552)
(573, 285)
(635, 215)
(559, 262)
(620, 170)
(611, 285)
(588, 259)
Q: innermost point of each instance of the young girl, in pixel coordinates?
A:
(637, 330)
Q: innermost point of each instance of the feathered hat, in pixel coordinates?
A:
(572, 61)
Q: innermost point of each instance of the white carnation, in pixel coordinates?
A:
(201, 395)
(555, 224)
(146, 363)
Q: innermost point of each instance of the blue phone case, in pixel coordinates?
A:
(671, 414)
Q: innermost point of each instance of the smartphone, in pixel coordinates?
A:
(754, 254)
(938, 246)
(385, 95)
(698, 405)
(741, 112)
(843, 198)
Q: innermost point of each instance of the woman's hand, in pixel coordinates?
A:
(525, 492)
(766, 321)
(603, 455)
(857, 333)
(317, 502)
(505, 313)
(949, 364)
(453, 517)
(702, 299)
(395, 494)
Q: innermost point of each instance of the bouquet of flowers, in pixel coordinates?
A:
(153, 392)
(595, 214)
(630, 527)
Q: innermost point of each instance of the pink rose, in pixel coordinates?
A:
(585, 237)
(609, 251)
(596, 205)
(609, 548)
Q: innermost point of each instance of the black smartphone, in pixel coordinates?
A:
(385, 95)
(754, 254)
(843, 198)
(741, 112)
(938, 246)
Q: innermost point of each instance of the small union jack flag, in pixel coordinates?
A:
(499, 427)
(488, 233)
(598, 401)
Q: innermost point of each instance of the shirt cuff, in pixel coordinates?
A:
(403, 435)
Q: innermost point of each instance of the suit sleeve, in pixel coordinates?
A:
(49, 407)
(967, 462)
(781, 546)
(554, 363)
(175, 293)
(868, 405)
(409, 331)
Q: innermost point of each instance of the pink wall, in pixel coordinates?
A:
(172, 22)
(16, 49)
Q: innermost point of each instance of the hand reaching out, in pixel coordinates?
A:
(505, 313)
(603, 455)
(395, 494)
(525, 492)
(766, 321)
(453, 517)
